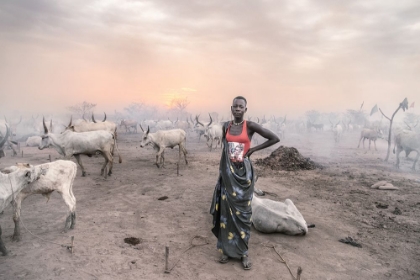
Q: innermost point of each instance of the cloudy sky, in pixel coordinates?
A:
(285, 57)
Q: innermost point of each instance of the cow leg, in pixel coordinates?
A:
(79, 161)
(369, 143)
(184, 151)
(399, 150)
(110, 163)
(17, 206)
(70, 201)
(374, 143)
(359, 142)
(159, 157)
(2, 247)
(415, 160)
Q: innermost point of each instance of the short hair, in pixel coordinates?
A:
(240, 97)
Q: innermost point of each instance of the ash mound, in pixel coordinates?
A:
(289, 159)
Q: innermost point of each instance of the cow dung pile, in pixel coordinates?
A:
(289, 159)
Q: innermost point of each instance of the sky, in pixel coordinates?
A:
(285, 57)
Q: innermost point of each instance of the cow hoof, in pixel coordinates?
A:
(83, 174)
(15, 238)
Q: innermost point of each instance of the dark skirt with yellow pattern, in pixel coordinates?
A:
(231, 206)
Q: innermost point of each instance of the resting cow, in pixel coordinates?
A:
(269, 216)
(54, 176)
(10, 186)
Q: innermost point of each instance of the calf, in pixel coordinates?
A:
(54, 176)
(11, 183)
(162, 139)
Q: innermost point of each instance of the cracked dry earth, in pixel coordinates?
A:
(154, 208)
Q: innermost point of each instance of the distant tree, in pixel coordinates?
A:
(313, 115)
(403, 105)
(84, 108)
(357, 116)
(177, 107)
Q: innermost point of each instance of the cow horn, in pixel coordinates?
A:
(71, 118)
(19, 120)
(83, 117)
(141, 128)
(45, 127)
(51, 129)
(196, 119)
(5, 137)
(211, 120)
(148, 130)
(104, 117)
(93, 118)
(5, 119)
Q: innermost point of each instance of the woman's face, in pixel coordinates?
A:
(238, 108)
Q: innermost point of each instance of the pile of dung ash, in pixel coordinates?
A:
(289, 159)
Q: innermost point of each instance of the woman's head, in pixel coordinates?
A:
(239, 106)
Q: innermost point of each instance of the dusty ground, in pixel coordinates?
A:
(337, 199)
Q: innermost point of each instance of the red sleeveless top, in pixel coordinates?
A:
(238, 144)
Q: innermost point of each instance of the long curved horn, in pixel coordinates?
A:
(93, 118)
(141, 128)
(71, 118)
(196, 119)
(45, 127)
(19, 120)
(104, 117)
(211, 120)
(5, 137)
(5, 119)
(148, 130)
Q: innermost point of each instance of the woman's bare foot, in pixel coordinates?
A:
(246, 263)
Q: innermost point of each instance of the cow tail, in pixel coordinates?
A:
(116, 146)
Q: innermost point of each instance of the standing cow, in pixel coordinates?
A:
(407, 141)
(53, 176)
(11, 183)
(162, 139)
(88, 143)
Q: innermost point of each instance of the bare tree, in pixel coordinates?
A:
(178, 105)
(84, 108)
(403, 105)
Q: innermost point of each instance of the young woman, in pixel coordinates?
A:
(231, 205)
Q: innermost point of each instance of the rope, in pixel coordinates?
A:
(190, 247)
(299, 271)
(13, 195)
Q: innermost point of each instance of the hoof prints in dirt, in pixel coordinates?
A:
(132, 240)
(289, 159)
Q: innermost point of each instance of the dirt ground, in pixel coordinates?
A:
(337, 199)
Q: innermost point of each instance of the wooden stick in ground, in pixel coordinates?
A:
(177, 169)
(166, 259)
(72, 245)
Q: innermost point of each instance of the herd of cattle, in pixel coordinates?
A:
(83, 137)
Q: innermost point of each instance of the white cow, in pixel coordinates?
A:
(371, 134)
(54, 176)
(93, 126)
(163, 139)
(33, 141)
(3, 141)
(129, 124)
(407, 141)
(88, 143)
(10, 186)
(337, 129)
(271, 216)
(164, 125)
(214, 132)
